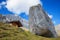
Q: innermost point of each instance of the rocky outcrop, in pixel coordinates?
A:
(57, 28)
(40, 23)
(13, 19)
(2, 18)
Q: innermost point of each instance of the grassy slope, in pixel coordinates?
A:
(8, 32)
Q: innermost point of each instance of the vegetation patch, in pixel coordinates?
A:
(8, 32)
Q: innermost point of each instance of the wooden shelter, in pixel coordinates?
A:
(16, 23)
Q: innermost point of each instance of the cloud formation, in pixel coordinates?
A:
(51, 16)
(3, 3)
(18, 6)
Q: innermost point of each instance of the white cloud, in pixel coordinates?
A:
(51, 16)
(3, 3)
(18, 6)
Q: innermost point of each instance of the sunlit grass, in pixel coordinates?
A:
(10, 32)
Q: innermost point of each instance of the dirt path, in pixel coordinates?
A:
(24, 29)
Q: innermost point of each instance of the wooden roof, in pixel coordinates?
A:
(18, 23)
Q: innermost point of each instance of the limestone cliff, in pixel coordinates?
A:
(39, 22)
(57, 28)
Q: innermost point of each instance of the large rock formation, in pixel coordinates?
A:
(57, 28)
(40, 23)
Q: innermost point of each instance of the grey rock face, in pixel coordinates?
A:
(39, 21)
(10, 17)
(57, 28)
(2, 18)
(16, 18)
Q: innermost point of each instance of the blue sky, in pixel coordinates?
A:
(52, 7)
(2, 0)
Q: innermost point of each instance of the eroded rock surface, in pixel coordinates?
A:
(39, 22)
(57, 28)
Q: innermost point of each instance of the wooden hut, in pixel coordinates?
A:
(16, 23)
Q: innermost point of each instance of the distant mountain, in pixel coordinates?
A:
(57, 28)
(17, 18)
(10, 17)
(2, 18)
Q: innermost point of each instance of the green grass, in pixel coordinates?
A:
(8, 32)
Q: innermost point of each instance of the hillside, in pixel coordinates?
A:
(10, 32)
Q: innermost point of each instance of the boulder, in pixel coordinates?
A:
(57, 28)
(40, 23)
